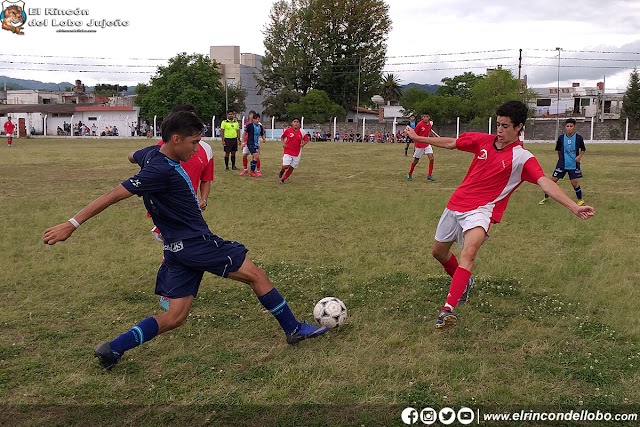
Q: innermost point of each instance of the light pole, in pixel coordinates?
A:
(226, 96)
(559, 49)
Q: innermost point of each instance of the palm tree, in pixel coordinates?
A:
(390, 87)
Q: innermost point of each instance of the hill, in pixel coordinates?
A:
(24, 84)
(426, 87)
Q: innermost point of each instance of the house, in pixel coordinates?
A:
(46, 118)
(577, 101)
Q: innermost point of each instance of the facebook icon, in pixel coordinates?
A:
(410, 416)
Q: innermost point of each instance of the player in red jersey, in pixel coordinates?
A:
(9, 127)
(499, 166)
(199, 168)
(292, 143)
(423, 128)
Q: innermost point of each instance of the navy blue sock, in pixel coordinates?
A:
(578, 192)
(253, 165)
(142, 332)
(275, 303)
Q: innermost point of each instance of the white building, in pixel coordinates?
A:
(577, 101)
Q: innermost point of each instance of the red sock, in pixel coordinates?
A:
(9, 141)
(282, 169)
(287, 174)
(258, 165)
(430, 168)
(451, 265)
(458, 284)
(413, 166)
(244, 162)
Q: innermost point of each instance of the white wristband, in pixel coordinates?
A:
(74, 222)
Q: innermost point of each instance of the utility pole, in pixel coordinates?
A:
(519, 74)
(559, 49)
(358, 97)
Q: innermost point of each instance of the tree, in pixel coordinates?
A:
(390, 88)
(631, 102)
(191, 79)
(276, 104)
(328, 45)
(109, 90)
(488, 93)
(316, 106)
(459, 86)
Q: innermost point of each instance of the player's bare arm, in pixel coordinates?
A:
(131, 159)
(556, 193)
(62, 232)
(442, 142)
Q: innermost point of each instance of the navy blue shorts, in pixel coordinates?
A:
(186, 261)
(253, 149)
(573, 173)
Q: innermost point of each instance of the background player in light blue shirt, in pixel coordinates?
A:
(570, 148)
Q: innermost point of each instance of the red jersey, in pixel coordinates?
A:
(200, 166)
(9, 127)
(294, 140)
(422, 129)
(493, 174)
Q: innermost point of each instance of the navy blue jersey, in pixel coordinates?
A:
(168, 195)
(569, 148)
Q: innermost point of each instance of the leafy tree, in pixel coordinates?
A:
(316, 106)
(631, 102)
(412, 98)
(459, 86)
(192, 79)
(108, 89)
(488, 93)
(276, 104)
(327, 45)
(390, 87)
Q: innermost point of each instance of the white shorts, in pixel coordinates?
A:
(289, 160)
(418, 152)
(245, 150)
(452, 224)
(9, 135)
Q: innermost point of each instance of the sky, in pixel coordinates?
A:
(428, 41)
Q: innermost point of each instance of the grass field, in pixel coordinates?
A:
(552, 321)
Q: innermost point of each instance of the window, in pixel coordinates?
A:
(544, 102)
(349, 120)
(92, 119)
(46, 100)
(61, 115)
(585, 102)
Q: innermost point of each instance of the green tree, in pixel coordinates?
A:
(631, 103)
(109, 89)
(390, 88)
(276, 104)
(488, 93)
(328, 45)
(192, 79)
(316, 106)
(459, 86)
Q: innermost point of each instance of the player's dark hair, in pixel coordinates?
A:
(424, 113)
(182, 123)
(294, 119)
(184, 107)
(230, 111)
(256, 115)
(515, 110)
(570, 120)
(252, 112)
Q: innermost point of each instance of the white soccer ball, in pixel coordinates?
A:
(330, 312)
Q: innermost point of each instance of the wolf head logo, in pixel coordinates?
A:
(13, 16)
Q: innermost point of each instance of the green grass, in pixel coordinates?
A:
(552, 320)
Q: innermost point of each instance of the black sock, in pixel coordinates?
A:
(233, 161)
(226, 162)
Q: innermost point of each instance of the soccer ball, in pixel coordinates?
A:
(330, 312)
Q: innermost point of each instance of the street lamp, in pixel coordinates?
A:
(226, 93)
(559, 49)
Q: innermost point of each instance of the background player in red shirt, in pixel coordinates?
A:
(292, 143)
(499, 166)
(423, 128)
(9, 127)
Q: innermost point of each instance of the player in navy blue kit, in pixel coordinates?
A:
(570, 148)
(190, 248)
(412, 125)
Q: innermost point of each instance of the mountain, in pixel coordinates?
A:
(22, 84)
(426, 87)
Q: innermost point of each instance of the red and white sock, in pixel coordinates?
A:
(459, 282)
(451, 265)
(287, 174)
